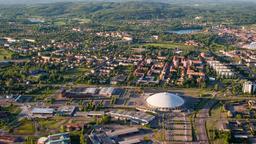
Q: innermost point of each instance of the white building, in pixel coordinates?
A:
(134, 116)
(165, 101)
(106, 91)
(91, 90)
(42, 112)
(221, 69)
(249, 87)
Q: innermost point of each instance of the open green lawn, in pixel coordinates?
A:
(82, 20)
(214, 124)
(193, 92)
(60, 23)
(44, 126)
(169, 45)
(52, 124)
(26, 127)
(5, 54)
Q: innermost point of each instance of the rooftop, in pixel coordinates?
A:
(43, 110)
(165, 100)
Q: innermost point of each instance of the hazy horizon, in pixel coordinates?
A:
(54, 1)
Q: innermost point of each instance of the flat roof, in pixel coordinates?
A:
(43, 110)
(106, 90)
(96, 113)
(133, 115)
(91, 90)
(122, 132)
(130, 141)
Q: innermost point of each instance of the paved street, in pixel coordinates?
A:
(201, 123)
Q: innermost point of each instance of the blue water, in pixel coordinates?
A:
(185, 31)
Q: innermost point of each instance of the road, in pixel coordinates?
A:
(201, 118)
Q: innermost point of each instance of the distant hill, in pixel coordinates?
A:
(235, 12)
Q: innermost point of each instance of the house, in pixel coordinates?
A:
(73, 127)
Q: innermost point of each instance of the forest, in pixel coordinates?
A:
(235, 13)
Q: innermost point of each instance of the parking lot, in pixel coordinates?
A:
(178, 127)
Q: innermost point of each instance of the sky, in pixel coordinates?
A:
(53, 1)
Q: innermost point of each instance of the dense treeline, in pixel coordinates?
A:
(232, 13)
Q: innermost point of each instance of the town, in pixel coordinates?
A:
(100, 73)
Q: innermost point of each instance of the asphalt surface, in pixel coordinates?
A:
(201, 123)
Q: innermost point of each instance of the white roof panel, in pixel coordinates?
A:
(165, 100)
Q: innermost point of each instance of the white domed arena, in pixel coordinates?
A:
(165, 101)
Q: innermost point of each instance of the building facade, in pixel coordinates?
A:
(249, 87)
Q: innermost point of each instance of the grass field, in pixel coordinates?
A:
(26, 128)
(169, 45)
(44, 126)
(82, 21)
(60, 23)
(193, 92)
(52, 124)
(5, 54)
(214, 124)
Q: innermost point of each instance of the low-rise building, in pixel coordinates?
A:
(67, 110)
(43, 112)
(134, 116)
(106, 91)
(73, 127)
(60, 138)
(127, 135)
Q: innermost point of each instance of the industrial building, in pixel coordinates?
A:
(67, 110)
(43, 112)
(106, 91)
(115, 136)
(134, 116)
(91, 92)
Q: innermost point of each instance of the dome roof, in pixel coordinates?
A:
(165, 100)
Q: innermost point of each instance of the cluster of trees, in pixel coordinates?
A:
(17, 75)
(90, 106)
(11, 113)
(225, 137)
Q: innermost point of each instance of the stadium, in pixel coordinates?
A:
(164, 101)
